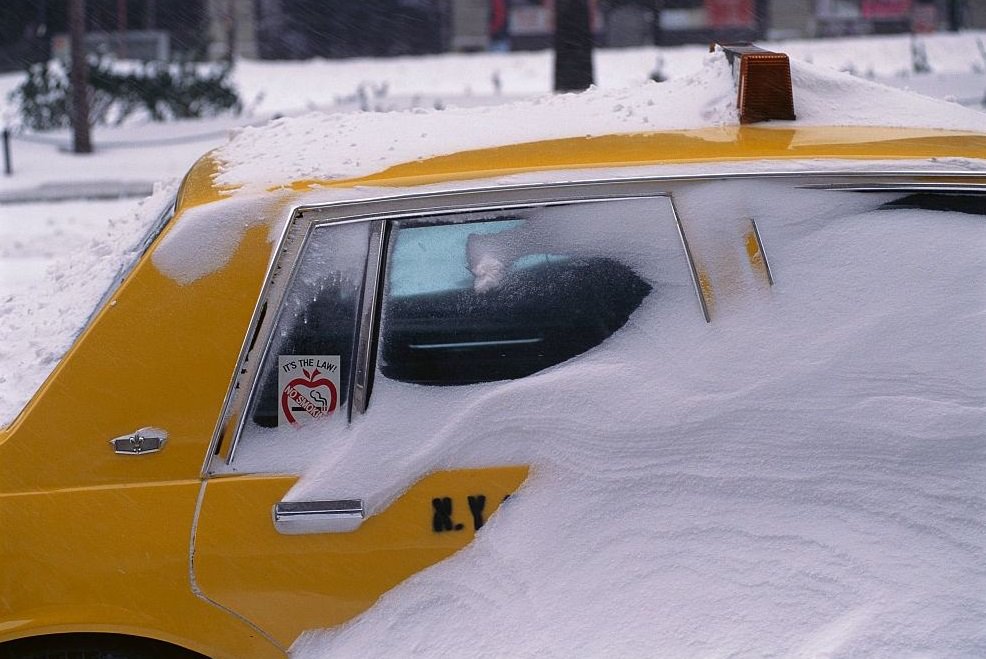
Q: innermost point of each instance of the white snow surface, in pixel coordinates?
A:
(41, 319)
(801, 477)
(204, 237)
(338, 146)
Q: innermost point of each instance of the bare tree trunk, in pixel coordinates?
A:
(121, 28)
(573, 46)
(79, 77)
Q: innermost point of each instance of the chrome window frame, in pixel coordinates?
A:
(305, 219)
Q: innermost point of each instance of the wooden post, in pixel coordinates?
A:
(79, 77)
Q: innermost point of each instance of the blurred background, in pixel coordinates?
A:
(35, 30)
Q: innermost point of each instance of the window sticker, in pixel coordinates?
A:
(309, 386)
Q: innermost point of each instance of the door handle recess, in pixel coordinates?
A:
(298, 517)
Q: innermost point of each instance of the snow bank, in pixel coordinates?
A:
(801, 477)
(338, 146)
(39, 323)
(333, 146)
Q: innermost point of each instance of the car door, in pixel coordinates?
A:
(380, 320)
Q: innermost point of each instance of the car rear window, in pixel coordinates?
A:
(497, 299)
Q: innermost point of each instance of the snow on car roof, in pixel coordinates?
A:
(342, 146)
(304, 153)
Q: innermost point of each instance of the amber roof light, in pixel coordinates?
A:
(763, 80)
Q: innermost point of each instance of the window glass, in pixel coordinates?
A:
(504, 296)
(306, 371)
(467, 298)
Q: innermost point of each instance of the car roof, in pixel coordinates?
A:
(688, 125)
(753, 145)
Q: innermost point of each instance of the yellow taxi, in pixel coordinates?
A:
(143, 503)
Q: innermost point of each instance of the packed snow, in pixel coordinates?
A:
(207, 235)
(33, 235)
(801, 477)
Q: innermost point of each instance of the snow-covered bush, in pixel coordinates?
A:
(159, 91)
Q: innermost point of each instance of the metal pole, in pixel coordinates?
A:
(7, 167)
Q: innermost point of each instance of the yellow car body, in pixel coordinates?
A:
(153, 546)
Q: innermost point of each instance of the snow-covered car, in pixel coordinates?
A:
(729, 372)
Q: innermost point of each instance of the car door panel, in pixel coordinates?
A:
(286, 584)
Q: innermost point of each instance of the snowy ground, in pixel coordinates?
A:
(758, 513)
(34, 235)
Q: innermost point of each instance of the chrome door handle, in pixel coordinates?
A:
(145, 440)
(298, 517)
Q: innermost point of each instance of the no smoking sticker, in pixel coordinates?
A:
(309, 386)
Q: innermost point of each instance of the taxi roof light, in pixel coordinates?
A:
(763, 80)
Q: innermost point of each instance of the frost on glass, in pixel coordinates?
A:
(316, 327)
(503, 296)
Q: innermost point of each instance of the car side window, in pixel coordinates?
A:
(466, 298)
(307, 368)
(503, 296)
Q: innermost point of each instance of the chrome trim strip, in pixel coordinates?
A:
(372, 286)
(457, 208)
(255, 335)
(503, 197)
(691, 262)
(939, 188)
(281, 275)
(299, 517)
(763, 253)
(636, 181)
(473, 344)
